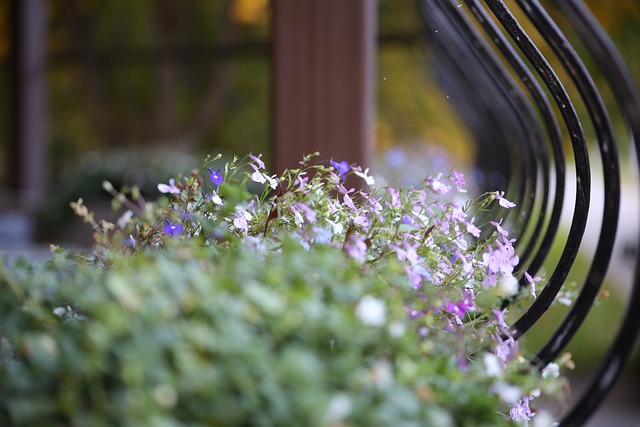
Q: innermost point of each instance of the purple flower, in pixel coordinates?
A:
(460, 308)
(215, 176)
(436, 185)
(241, 219)
(505, 350)
(502, 201)
(406, 219)
(521, 410)
(342, 167)
(302, 181)
(395, 198)
(501, 230)
(259, 163)
(173, 229)
(349, 203)
(129, 242)
(171, 188)
(309, 213)
(500, 260)
(322, 235)
(532, 281)
(190, 216)
(499, 314)
(356, 248)
(472, 229)
(458, 179)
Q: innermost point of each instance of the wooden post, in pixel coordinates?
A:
(323, 80)
(26, 165)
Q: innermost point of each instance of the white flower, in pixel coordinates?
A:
(492, 365)
(258, 177)
(215, 199)
(337, 227)
(507, 285)
(365, 175)
(506, 392)
(59, 311)
(382, 374)
(339, 407)
(551, 369)
(543, 419)
(371, 311)
(499, 196)
(272, 180)
(125, 219)
(396, 329)
(297, 217)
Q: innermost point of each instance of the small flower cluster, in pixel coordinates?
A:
(451, 281)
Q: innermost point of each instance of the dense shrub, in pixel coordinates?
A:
(307, 304)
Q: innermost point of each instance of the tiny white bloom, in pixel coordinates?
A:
(365, 175)
(506, 392)
(258, 177)
(396, 329)
(337, 227)
(371, 311)
(273, 181)
(125, 219)
(382, 374)
(339, 407)
(216, 199)
(552, 369)
(543, 419)
(507, 285)
(59, 311)
(163, 188)
(492, 365)
(297, 217)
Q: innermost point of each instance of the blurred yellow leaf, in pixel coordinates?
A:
(249, 11)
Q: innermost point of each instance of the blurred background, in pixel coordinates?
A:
(138, 91)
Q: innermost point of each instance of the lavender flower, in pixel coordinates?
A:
(171, 188)
(521, 410)
(458, 179)
(499, 196)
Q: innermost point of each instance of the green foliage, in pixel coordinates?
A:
(202, 319)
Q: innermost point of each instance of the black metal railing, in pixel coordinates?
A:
(512, 100)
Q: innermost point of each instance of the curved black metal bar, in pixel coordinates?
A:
(468, 94)
(553, 131)
(583, 176)
(456, 56)
(627, 96)
(611, 172)
(529, 134)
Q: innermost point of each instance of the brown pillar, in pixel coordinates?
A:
(26, 166)
(323, 80)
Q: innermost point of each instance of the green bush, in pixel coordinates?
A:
(213, 307)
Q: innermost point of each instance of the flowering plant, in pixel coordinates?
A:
(304, 302)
